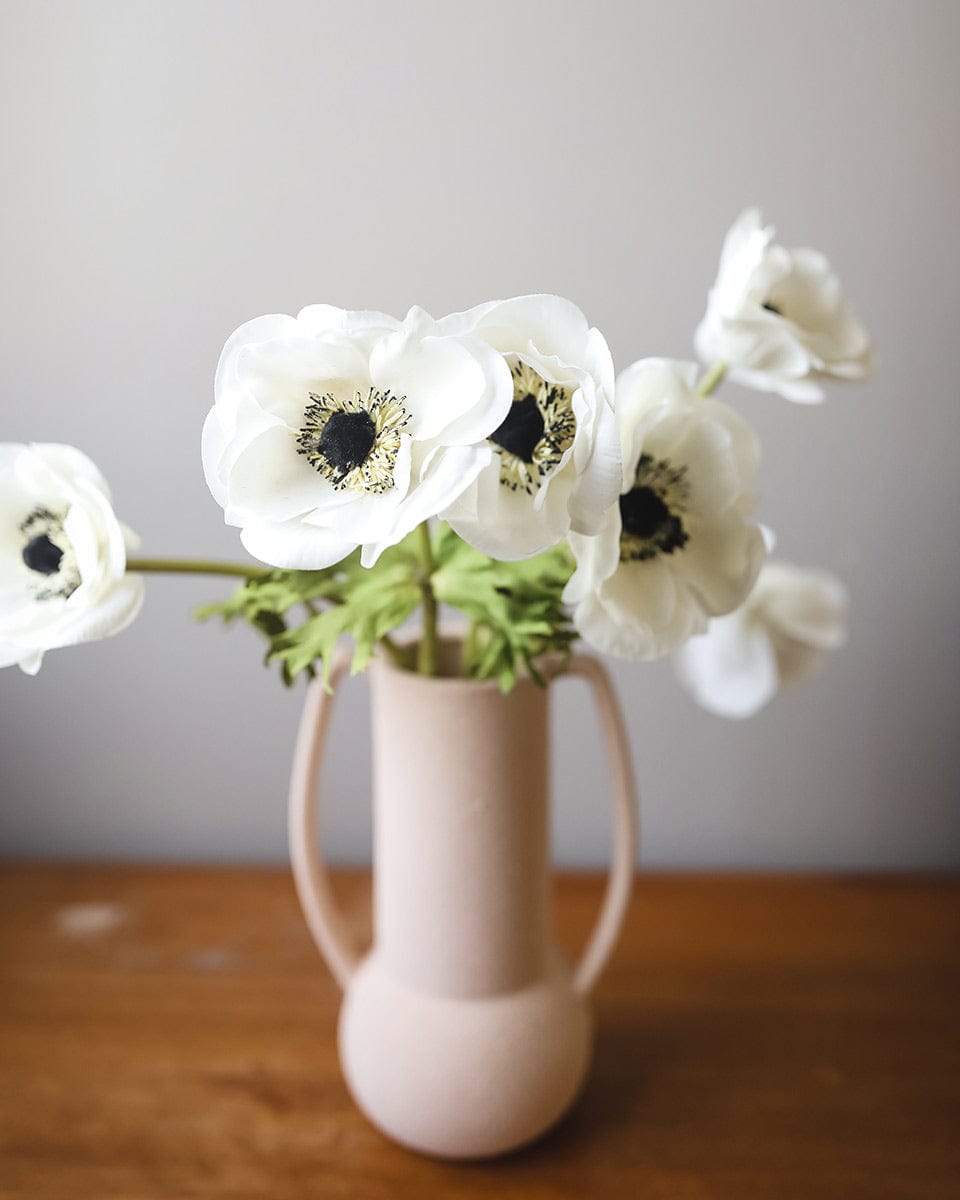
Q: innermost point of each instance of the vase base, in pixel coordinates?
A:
(463, 1078)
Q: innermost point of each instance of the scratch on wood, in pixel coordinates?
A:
(90, 920)
(212, 958)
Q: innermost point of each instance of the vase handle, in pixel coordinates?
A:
(620, 879)
(310, 875)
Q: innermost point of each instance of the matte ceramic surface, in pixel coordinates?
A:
(463, 1032)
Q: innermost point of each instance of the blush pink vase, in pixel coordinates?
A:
(463, 1031)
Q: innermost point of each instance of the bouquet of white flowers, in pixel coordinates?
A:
(490, 461)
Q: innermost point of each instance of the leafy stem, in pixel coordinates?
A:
(427, 655)
(515, 610)
(396, 653)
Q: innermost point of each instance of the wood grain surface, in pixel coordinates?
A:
(171, 1033)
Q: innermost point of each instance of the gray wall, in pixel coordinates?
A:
(170, 170)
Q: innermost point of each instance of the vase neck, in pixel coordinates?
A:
(461, 833)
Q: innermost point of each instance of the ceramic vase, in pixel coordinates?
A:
(463, 1031)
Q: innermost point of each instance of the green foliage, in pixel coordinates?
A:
(263, 602)
(515, 609)
(375, 602)
(367, 604)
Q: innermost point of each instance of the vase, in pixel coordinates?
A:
(463, 1031)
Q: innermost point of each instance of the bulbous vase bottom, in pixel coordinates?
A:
(463, 1078)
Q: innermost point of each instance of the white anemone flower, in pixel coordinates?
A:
(778, 318)
(63, 555)
(335, 429)
(677, 547)
(555, 461)
(782, 634)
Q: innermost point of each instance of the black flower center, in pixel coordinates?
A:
(651, 512)
(521, 429)
(643, 512)
(347, 439)
(48, 553)
(42, 555)
(353, 441)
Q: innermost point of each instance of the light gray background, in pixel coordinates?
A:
(170, 170)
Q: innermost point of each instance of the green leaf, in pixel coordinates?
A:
(297, 649)
(367, 603)
(516, 609)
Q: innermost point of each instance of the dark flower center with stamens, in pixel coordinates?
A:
(42, 555)
(353, 441)
(649, 527)
(347, 439)
(521, 429)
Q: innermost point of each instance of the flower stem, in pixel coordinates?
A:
(427, 656)
(468, 650)
(397, 654)
(195, 566)
(711, 381)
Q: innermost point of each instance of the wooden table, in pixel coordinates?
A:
(170, 1033)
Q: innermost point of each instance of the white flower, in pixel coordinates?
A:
(777, 317)
(62, 555)
(677, 547)
(336, 429)
(783, 633)
(555, 461)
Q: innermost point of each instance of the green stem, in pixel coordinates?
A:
(468, 649)
(195, 566)
(711, 381)
(427, 656)
(397, 655)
